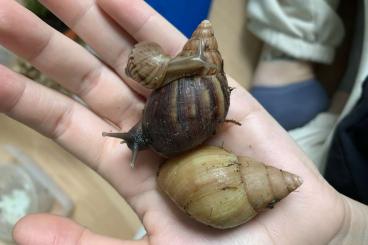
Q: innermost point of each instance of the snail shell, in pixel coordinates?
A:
(186, 111)
(147, 64)
(204, 33)
(219, 189)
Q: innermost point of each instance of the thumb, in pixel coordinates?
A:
(45, 229)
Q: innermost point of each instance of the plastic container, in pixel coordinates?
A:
(26, 189)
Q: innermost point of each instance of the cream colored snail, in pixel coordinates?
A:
(219, 189)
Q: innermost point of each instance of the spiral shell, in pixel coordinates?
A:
(186, 112)
(219, 189)
(191, 104)
(205, 33)
(147, 64)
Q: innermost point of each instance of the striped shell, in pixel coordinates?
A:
(186, 111)
(147, 64)
(205, 33)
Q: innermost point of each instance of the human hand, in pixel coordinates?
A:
(312, 215)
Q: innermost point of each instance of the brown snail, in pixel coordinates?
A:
(148, 65)
(219, 189)
(191, 96)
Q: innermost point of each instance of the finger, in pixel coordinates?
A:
(52, 114)
(86, 19)
(66, 62)
(143, 23)
(46, 229)
(110, 42)
(76, 129)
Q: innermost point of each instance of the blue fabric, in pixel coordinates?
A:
(293, 105)
(183, 14)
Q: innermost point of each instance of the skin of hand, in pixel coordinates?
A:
(314, 214)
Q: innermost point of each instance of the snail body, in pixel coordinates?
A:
(191, 97)
(219, 189)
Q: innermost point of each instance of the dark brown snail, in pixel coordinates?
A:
(191, 97)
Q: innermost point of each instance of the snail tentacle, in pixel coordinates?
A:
(135, 139)
(134, 155)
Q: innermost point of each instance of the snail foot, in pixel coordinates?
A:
(208, 68)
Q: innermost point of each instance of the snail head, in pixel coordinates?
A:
(135, 139)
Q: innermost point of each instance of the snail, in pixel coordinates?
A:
(191, 95)
(148, 65)
(220, 189)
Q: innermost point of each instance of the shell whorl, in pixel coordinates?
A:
(147, 64)
(205, 33)
(266, 185)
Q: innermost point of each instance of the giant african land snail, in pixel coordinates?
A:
(220, 189)
(191, 97)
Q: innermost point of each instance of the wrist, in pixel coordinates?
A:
(354, 228)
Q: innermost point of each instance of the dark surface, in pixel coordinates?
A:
(347, 163)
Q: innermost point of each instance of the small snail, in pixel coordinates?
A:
(148, 65)
(191, 96)
(221, 190)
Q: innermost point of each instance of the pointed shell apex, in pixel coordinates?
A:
(292, 181)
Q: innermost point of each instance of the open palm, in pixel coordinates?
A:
(312, 215)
